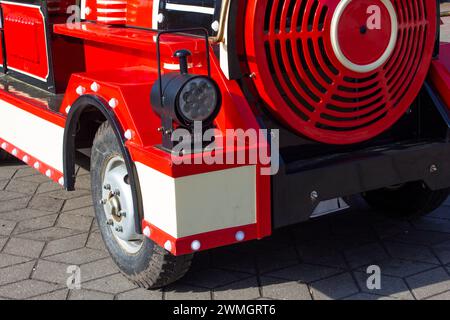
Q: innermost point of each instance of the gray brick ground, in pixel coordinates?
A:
(44, 229)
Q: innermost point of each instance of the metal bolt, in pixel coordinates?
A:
(121, 214)
(314, 195)
(103, 201)
(119, 229)
(252, 75)
(160, 129)
(168, 131)
(107, 187)
(433, 168)
(110, 222)
(116, 192)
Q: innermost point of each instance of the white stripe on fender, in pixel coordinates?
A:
(37, 137)
(199, 203)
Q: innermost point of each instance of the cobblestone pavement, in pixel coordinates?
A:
(44, 229)
(445, 34)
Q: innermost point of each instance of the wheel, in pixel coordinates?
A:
(406, 200)
(140, 259)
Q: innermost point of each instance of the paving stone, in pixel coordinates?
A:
(401, 268)
(8, 195)
(48, 187)
(7, 172)
(37, 178)
(83, 182)
(366, 254)
(26, 289)
(3, 184)
(212, 278)
(9, 260)
(55, 295)
(89, 295)
(75, 222)
(23, 214)
(442, 296)
(36, 224)
(411, 252)
(25, 172)
(15, 204)
(392, 228)
(16, 273)
(442, 213)
(242, 290)
(322, 256)
(86, 212)
(49, 234)
(66, 195)
(186, 292)
(337, 287)
(78, 203)
(281, 258)
(140, 294)
(421, 237)
(41, 202)
(65, 244)
(431, 224)
(79, 256)
(282, 290)
(429, 283)
(390, 286)
(51, 272)
(442, 250)
(366, 296)
(229, 260)
(111, 284)
(20, 186)
(98, 269)
(6, 227)
(95, 241)
(305, 273)
(24, 247)
(2, 242)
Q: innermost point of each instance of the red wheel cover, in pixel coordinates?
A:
(339, 71)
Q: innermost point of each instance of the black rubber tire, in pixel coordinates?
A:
(152, 266)
(413, 199)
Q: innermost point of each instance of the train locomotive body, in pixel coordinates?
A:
(291, 107)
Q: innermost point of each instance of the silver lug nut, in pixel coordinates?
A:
(116, 192)
(433, 168)
(110, 222)
(103, 201)
(107, 187)
(119, 229)
(122, 214)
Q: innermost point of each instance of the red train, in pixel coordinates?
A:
(346, 97)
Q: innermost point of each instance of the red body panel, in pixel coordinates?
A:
(29, 54)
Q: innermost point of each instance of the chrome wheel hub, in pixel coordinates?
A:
(117, 201)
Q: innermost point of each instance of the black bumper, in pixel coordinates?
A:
(347, 174)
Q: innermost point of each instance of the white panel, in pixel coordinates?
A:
(158, 196)
(199, 203)
(37, 137)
